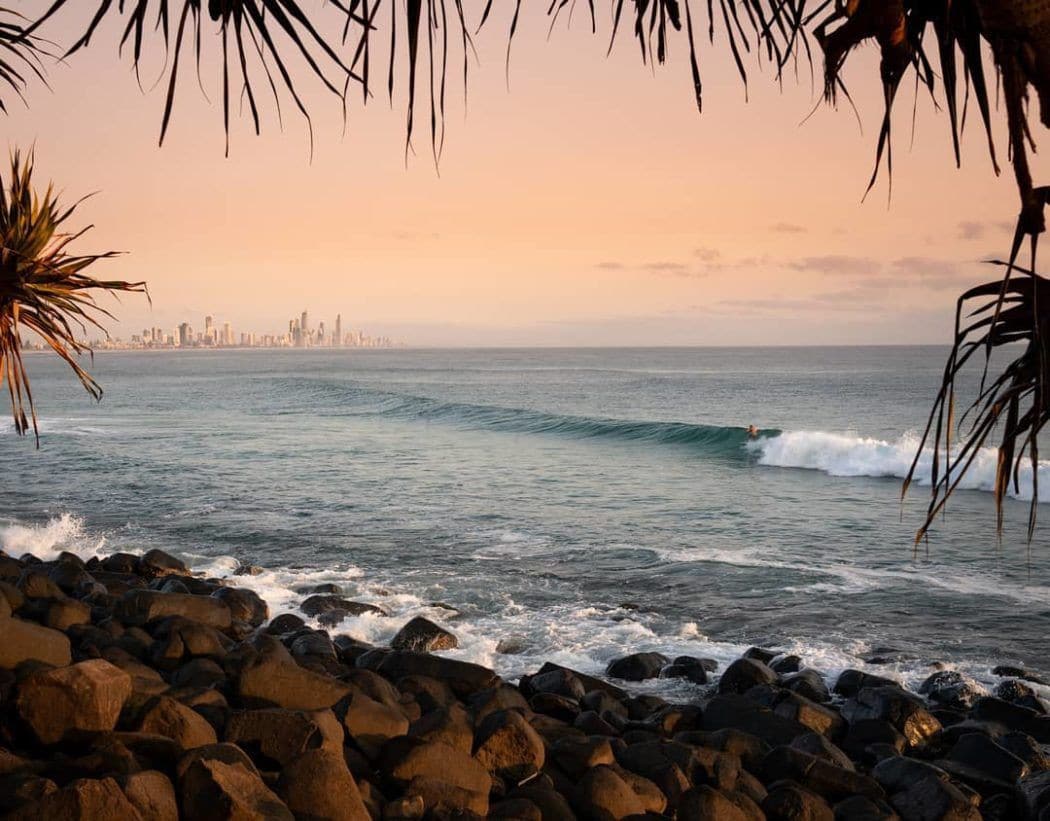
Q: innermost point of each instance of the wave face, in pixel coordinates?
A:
(841, 455)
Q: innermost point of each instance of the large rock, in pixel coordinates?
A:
(83, 698)
(687, 667)
(952, 689)
(905, 711)
(463, 677)
(739, 713)
(156, 563)
(24, 641)
(317, 786)
(140, 607)
(706, 803)
(788, 800)
(244, 605)
(214, 790)
(743, 674)
(405, 758)
(637, 666)
(83, 800)
(421, 635)
(931, 799)
(603, 795)
(316, 605)
(370, 723)
(444, 800)
(851, 682)
(508, 747)
(183, 725)
(826, 779)
(272, 678)
(279, 737)
(450, 725)
(152, 794)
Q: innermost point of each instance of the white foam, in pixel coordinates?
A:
(839, 454)
(46, 541)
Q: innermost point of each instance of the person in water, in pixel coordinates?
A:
(752, 432)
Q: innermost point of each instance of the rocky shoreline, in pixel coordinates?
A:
(131, 688)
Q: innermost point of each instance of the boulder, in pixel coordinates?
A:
(463, 677)
(952, 689)
(788, 801)
(1013, 717)
(709, 804)
(183, 725)
(82, 800)
(739, 713)
(1006, 670)
(274, 738)
(862, 808)
(743, 674)
(36, 584)
(577, 755)
(370, 724)
(138, 607)
(559, 682)
(686, 667)
(589, 682)
(421, 635)
(637, 666)
(213, 790)
(66, 701)
(818, 745)
(444, 800)
(244, 605)
(152, 794)
(750, 749)
(826, 779)
(65, 613)
(316, 785)
(318, 604)
(155, 563)
(552, 804)
(783, 665)
(449, 725)
(996, 763)
(668, 765)
(808, 683)
(519, 809)
(905, 711)
(404, 759)
(508, 747)
(284, 624)
(603, 795)
(24, 641)
(933, 799)
(851, 682)
(272, 678)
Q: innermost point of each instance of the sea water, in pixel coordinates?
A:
(574, 505)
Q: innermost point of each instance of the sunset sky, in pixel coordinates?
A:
(588, 204)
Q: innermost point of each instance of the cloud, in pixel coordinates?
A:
(837, 264)
(667, 267)
(787, 228)
(971, 230)
(930, 272)
(707, 254)
(610, 266)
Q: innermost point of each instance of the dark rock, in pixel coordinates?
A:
(708, 804)
(739, 713)
(601, 702)
(210, 788)
(743, 674)
(508, 747)
(897, 773)
(637, 666)
(555, 706)
(862, 808)
(448, 725)
(933, 799)
(865, 732)
(421, 635)
(1034, 795)
(1026, 748)
(589, 682)
(272, 678)
(808, 683)
(83, 698)
(244, 605)
(785, 665)
(1005, 671)
(284, 623)
(832, 782)
(156, 563)
(370, 723)
(981, 753)
(817, 745)
(952, 689)
(120, 563)
(512, 645)
(594, 725)
(36, 584)
(276, 737)
(317, 604)
(1013, 717)
(404, 759)
(686, 667)
(464, 678)
(314, 643)
(447, 801)
(552, 805)
(201, 672)
(750, 749)
(851, 682)
(501, 697)
(152, 794)
(138, 607)
(577, 755)
(557, 682)
(22, 641)
(519, 809)
(66, 613)
(905, 711)
(603, 795)
(788, 801)
(761, 654)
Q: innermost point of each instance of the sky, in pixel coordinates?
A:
(579, 200)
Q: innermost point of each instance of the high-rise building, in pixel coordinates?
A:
(185, 335)
(227, 334)
(337, 340)
(304, 331)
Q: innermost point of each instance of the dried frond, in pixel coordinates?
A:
(43, 287)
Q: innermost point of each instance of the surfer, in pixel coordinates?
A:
(752, 432)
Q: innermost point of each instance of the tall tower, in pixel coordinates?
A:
(209, 330)
(337, 340)
(304, 332)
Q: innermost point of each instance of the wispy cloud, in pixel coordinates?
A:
(610, 266)
(787, 228)
(971, 230)
(837, 264)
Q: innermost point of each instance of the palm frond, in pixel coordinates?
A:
(43, 287)
(21, 57)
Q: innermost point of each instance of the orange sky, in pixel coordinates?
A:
(588, 204)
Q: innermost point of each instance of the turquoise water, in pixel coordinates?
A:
(541, 491)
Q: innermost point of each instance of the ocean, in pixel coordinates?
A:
(570, 505)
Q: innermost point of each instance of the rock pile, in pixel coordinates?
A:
(132, 689)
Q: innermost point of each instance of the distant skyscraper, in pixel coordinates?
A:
(185, 335)
(337, 340)
(227, 334)
(304, 330)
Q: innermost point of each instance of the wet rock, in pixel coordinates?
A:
(810, 684)
(152, 794)
(589, 682)
(275, 738)
(739, 713)
(83, 698)
(851, 682)
(314, 643)
(637, 666)
(211, 788)
(686, 667)
(762, 654)
(512, 645)
(905, 711)
(463, 677)
(1034, 794)
(819, 746)
(743, 674)
(370, 723)
(709, 804)
(519, 809)
(272, 678)
(1013, 717)
(36, 584)
(1005, 671)
(285, 623)
(788, 801)
(933, 799)
(1026, 748)
(322, 603)
(66, 613)
(952, 689)
(421, 635)
(138, 607)
(171, 719)
(862, 808)
(825, 779)
(318, 786)
(508, 747)
(245, 605)
(449, 725)
(996, 763)
(22, 641)
(155, 563)
(784, 665)
(83, 800)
